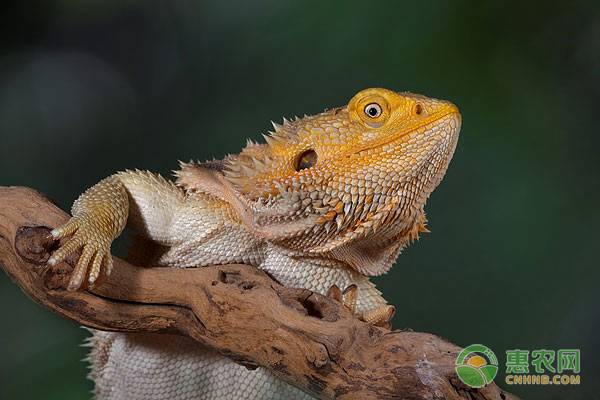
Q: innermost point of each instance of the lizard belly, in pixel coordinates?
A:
(128, 366)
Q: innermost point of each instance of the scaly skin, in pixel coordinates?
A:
(327, 201)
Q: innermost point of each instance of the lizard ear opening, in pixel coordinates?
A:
(306, 160)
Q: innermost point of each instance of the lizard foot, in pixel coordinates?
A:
(347, 297)
(379, 316)
(95, 243)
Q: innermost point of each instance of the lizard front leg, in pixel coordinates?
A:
(99, 215)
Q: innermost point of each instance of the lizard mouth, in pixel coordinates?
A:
(449, 112)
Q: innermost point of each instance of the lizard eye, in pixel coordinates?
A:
(306, 160)
(373, 110)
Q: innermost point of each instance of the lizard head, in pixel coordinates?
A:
(351, 182)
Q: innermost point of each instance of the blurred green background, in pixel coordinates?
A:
(89, 88)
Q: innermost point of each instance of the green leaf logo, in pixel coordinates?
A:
(476, 365)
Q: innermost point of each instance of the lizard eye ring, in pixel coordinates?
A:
(373, 110)
(306, 160)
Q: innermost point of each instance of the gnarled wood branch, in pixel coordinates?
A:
(306, 339)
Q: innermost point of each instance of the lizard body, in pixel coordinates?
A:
(327, 201)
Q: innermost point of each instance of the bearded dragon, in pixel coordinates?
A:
(327, 201)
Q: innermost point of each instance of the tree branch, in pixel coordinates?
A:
(304, 338)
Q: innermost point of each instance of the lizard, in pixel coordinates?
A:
(326, 202)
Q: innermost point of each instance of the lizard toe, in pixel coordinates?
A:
(380, 316)
(81, 268)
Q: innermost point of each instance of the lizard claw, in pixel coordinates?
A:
(350, 296)
(95, 244)
(335, 293)
(347, 297)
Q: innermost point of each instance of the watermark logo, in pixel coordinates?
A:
(476, 365)
(550, 367)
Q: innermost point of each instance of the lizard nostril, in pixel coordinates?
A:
(418, 109)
